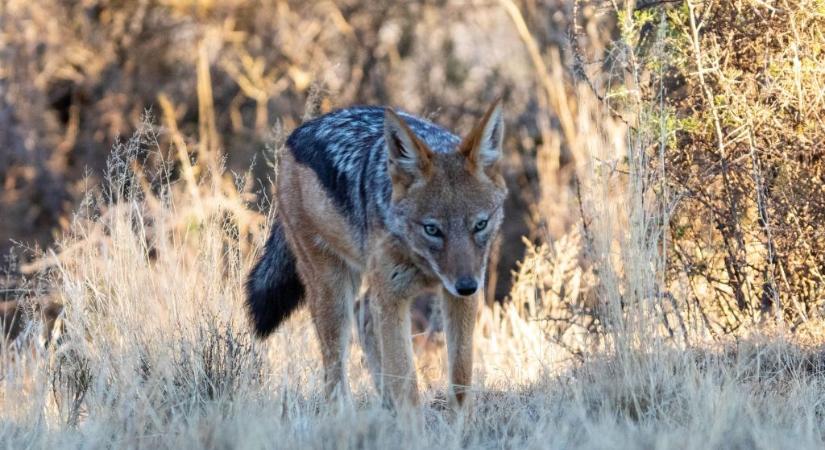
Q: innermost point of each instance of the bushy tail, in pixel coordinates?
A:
(273, 290)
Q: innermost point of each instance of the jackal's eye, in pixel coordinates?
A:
(480, 226)
(432, 230)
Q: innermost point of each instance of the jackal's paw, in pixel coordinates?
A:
(446, 404)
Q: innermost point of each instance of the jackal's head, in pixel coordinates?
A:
(449, 206)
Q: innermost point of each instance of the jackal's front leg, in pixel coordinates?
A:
(397, 380)
(393, 283)
(460, 318)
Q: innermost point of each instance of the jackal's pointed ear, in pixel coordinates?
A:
(408, 157)
(483, 145)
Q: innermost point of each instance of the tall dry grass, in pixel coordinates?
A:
(592, 350)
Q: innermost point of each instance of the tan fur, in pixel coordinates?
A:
(395, 279)
(331, 266)
(328, 261)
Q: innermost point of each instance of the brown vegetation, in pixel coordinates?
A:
(748, 160)
(661, 276)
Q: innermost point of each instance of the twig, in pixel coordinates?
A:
(555, 95)
(578, 58)
(180, 145)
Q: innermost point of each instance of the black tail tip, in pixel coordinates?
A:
(269, 306)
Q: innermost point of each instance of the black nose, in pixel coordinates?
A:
(466, 286)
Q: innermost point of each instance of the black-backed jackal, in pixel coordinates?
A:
(366, 192)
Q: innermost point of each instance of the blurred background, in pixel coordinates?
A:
(79, 76)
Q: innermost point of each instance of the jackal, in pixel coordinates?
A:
(367, 192)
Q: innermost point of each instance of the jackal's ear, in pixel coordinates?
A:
(408, 158)
(482, 146)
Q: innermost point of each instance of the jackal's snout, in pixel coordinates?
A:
(466, 285)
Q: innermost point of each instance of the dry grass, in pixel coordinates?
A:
(596, 347)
